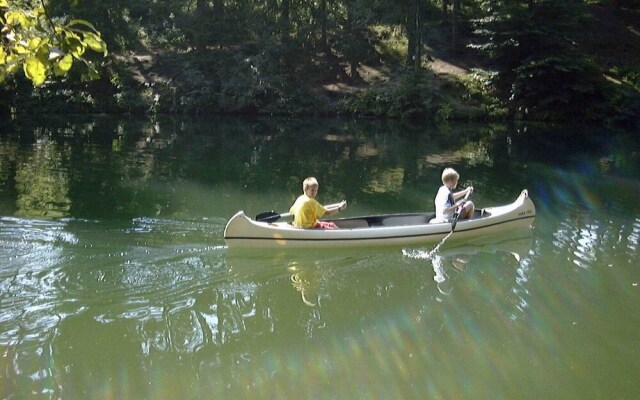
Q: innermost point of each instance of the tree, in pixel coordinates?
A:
(414, 33)
(540, 71)
(43, 47)
(455, 24)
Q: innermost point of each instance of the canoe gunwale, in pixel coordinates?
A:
(435, 233)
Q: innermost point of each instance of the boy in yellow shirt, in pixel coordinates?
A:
(306, 209)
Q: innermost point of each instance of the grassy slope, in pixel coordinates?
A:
(611, 38)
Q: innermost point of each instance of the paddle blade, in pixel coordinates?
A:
(269, 216)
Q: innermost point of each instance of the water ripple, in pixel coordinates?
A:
(55, 269)
(634, 236)
(27, 230)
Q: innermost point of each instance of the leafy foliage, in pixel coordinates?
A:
(557, 87)
(44, 47)
(626, 99)
(539, 70)
(362, 57)
(412, 98)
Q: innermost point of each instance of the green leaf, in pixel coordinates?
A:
(94, 42)
(11, 66)
(82, 22)
(35, 70)
(34, 43)
(20, 49)
(74, 45)
(17, 17)
(63, 66)
(90, 75)
(43, 53)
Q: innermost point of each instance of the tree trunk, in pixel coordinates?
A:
(323, 23)
(272, 6)
(353, 59)
(218, 8)
(285, 10)
(414, 44)
(445, 10)
(201, 16)
(411, 39)
(454, 24)
(417, 64)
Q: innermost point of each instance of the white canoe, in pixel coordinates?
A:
(379, 230)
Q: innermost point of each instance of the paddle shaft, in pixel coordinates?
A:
(456, 215)
(272, 216)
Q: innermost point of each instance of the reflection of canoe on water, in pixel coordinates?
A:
(508, 249)
(379, 230)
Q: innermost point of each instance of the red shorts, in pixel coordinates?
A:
(326, 225)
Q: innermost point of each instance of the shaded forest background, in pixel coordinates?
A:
(412, 59)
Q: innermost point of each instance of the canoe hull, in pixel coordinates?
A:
(385, 230)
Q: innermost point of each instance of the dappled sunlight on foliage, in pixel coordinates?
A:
(44, 47)
(422, 60)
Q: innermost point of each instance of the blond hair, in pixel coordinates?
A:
(309, 183)
(450, 175)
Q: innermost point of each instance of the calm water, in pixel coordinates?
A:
(115, 282)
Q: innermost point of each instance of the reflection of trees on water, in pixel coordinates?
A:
(42, 181)
(115, 165)
(57, 171)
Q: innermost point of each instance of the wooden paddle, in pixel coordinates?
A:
(272, 216)
(456, 215)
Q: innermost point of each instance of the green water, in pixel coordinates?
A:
(116, 283)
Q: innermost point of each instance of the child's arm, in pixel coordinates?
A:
(335, 208)
(462, 193)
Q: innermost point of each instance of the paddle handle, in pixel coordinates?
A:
(466, 196)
